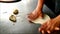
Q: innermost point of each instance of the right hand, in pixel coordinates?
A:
(35, 14)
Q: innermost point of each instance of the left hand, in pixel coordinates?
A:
(50, 26)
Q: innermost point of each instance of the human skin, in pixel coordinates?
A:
(52, 23)
(48, 26)
(51, 26)
(37, 12)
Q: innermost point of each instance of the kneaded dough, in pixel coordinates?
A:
(41, 20)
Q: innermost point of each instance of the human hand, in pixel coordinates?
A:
(34, 15)
(50, 26)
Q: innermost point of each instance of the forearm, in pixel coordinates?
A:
(40, 5)
(57, 19)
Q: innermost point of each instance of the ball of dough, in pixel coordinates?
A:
(41, 20)
(12, 18)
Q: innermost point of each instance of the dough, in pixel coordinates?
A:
(41, 20)
(12, 18)
(16, 11)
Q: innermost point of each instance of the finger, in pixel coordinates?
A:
(48, 27)
(57, 28)
(42, 31)
(43, 27)
(48, 32)
(30, 20)
(39, 30)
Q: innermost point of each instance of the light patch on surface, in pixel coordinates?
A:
(22, 25)
(8, 8)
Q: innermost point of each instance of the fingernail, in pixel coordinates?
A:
(56, 28)
(39, 29)
(48, 31)
(42, 31)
